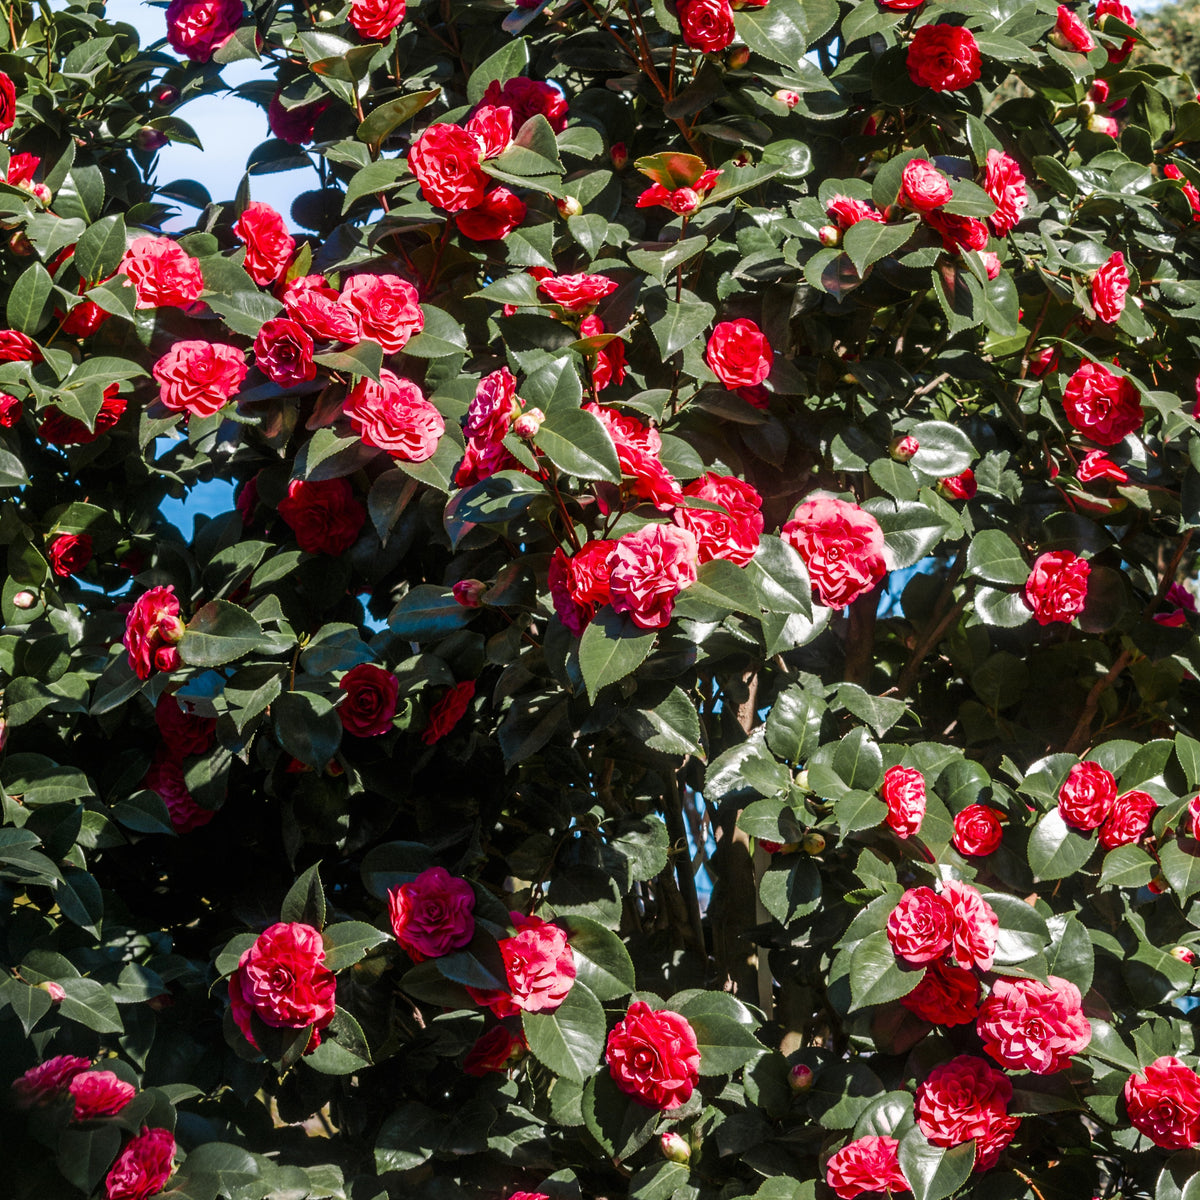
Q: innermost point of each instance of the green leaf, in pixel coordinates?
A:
(1056, 850)
(779, 31)
(346, 942)
(682, 323)
(1181, 868)
(912, 530)
(1006, 610)
(441, 336)
(780, 578)
(601, 960)
(944, 449)
(30, 300)
(866, 242)
(794, 724)
(672, 726)
(994, 556)
(85, 1155)
(1187, 751)
(789, 894)
(218, 633)
(611, 647)
(569, 1040)
(721, 586)
(1070, 955)
(1023, 930)
(619, 1123)
(305, 900)
(365, 358)
(100, 248)
(308, 727)
(79, 898)
(343, 1049)
(842, 1092)
(875, 975)
(508, 62)
(577, 443)
(426, 614)
(726, 1045)
(382, 120)
(858, 761)
(934, 1172)
(88, 1002)
(1127, 867)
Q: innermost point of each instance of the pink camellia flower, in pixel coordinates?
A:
(653, 1056)
(371, 693)
(432, 915)
(1005, 184)
(958, 234)
(903, 792)
(143, 1167)
(494, 217)
(706, 24)
(196, 28)
(1027, 1025)
(481, 460)
(732, 534)
(282, 979)
(539, 968)
(920, 927)
(165, 776)
(577, 293)
(637, 446)
(394, 416)
(1056, 589)
(162, 273)
(867, 1164)
(69, 554)
(961, 1100)
(649, 568)
(977, 830)
(842, 546)
(199, 377)
(1097, 465)
(153, 630)
(319, 310)
(959, 487)
(1070, 33)
(991, 264)
(375, 19)
(923, 187)
(448, 711)
(445, 159)
(946, 995)
(1103, 406)
(846, 211)
(1164, 1103)
(324, 515)
(943, 58)
(1171, 171)
(904, 449)
(1109, 286)
(283, 352)
(99, 1094)
(469, 592)
(1088, 795)
(47, 1081)
(1181, 603)
(495, 1051)
(739, 354)
(579, 583)
(1128, 819)
(387, 308)
(269, 246)
(975, 927)
(494, 406)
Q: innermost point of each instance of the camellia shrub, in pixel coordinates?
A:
(694, 693)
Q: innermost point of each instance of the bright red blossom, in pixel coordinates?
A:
(1027, 1025)
(69, 553)
(1171, 171)
(577, 293)
(923, 187)
(47, 1081)
(387, 308)
(867, 1164)
(847, 211)
(842, 546)
(975, 927)
(732, 534)
(445, 159)
(977, 830)
(269, 246)
(961, 1100)
(448, 711)
(1072, 33)
(1109, 286)
(1097, 465)
(1087, 796)
(371, 693)
(706, 24)
(579, 583)
(528, 98)
(283, 352)
(162, 273)
(195, 28)
(494, 218)
(1164, 1103)
(903, 792)
(99, 1094)
(394, 416)
(1102, 405)
(958, 234)
(654, 1056)
(143, 1167)
(920, 927)
(152, 630)
(433, 914)
(739, 354)
(375, 19)
(943, 58)
(1128, 819)
(199, 377)
(946, 995)
(649, 568)
(1124, 14)
(1056, 589)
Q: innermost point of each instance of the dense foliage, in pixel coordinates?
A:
(684, 444)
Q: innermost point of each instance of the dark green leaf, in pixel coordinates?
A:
(570, 1039)
(305, 900)
(611, 647)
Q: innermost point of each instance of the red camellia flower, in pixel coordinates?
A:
(923, 187)
(958, 233)
(297, 124)
(920, 926)
(1109, 286)
(313, 304)
(499, 213)
(706, 24)
(1056, 589)
(959, 487)
(577, 293)
(1087, 796)
(16, 346)
(946, 995)
(739, 353)
(846, 211)
(47, 1081)
(58, 429)
(579, 583)
(1027, 1025)
(1070, 33)
(163, 274)
(375, 19)
(152, 631)
(324, 514)
(387, 307)
(393, 416)
(370, 704)
(608, 364)
(69, 553)
(433, 914)
(903, 792)
(654, 1056)
(961, 1100)
(11, 411)
(165, 777)
(143, 1167)
(1004, 182)
(539, 964)
(943, 58)
(1123, 13)
(867, 1164)
(482, 460)
(684, 200)
(494, 1051)
(494, 406)
(733, 534)
(183, 732)
(1164, 1103)
(1181, 602)
(1097, 465)
(1171, 171)
(195, 28)
(637, 446)
(492, 127)
(977, 830)
(269, 246)
(282, 979)
(1194, 817)
(649, 568)
(283, 352)
(8, 102)
(1101, 405)
(199, 377)
(1129, 818)
(974, 925)
(445, 159)
(528, 98)
(841, 544)
(99, 1094)
(448, 711)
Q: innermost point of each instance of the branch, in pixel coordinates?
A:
(683, 860)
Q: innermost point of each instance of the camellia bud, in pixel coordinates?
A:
(42, 194)
(813, 842)
(788, 97)
(1158, 884)
(742, 159)
(1100, 124)
(674, 1147)
(618, 156)
(684, 201)
(1086, 108)
(737, 58)
(24, 600)
(568, 206)
(20, 245)
(166, 95)
(1184, 955)
(172, 629)
(528, 423)
(53, 990)
(903, 449)
(802, 779)
(830, 235)
(150, 139)
(800, 1078)
(469, 592)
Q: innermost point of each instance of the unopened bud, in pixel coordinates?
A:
(469, 592)
(166, 95)
(333, 768)
(1184, 955)
(171, 629)
(737, 58)
(42, 194)
(742, 159)
(684, 201)
(1086, 109)
(3, 733)
(830, 235)
(802, 779)
(788, 97)
(568, 206)
(20, 245)
(904, 449)
(813, 842)
(1100, 124)
(1057, 38)
(528, 423)
(148, 139)
(1158, 884)
(800, 1078)
(53, 990)
(24, 600)
(618, 156)
(674, 1147)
